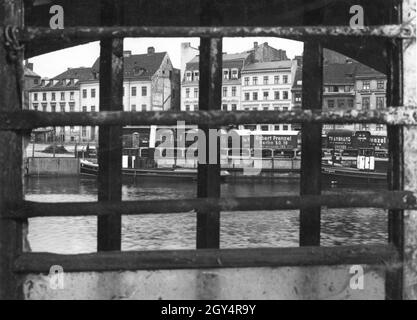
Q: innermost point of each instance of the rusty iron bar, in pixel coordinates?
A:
(109, 227)
(12, 232)
(28, 120)
(382, 255)
(29, 34)
(310, 179)
(384, 200)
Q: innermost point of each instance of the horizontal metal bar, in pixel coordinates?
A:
(78, 33)
(386, 200)
(208, 258)
(27, 120)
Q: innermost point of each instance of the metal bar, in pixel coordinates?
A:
(208, 183)
(410, 155)
(11, 231)
(394, 283)
(310, 183)
(384, 200)
(209, 258)
(27, 120)
(29, 34)
(109, 227)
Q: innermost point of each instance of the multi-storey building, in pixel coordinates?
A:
(31, 79)
(150, 84)
(267, 86)
(60, 94)
(370, 93)
(231, 84)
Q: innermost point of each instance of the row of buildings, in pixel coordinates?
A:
(262, 78)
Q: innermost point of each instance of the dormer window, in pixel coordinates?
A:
(226, 74)
(138, 71)
(188, 76)
(235, 73)
(196, 76)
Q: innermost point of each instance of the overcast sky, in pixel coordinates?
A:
(51, 64)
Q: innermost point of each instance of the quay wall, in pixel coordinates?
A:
(52, 166)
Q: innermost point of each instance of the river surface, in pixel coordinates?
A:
(178, 231)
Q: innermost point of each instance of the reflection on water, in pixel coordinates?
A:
(177, 231)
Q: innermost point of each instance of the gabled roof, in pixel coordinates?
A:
(364, 71)
(139, 66)
(339, 73)
(226, 57)
(258, 66)
(230, 61)
(81, 74)
(30, 73)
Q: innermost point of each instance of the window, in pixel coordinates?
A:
(234, 107)
(285, 79)
(350, 103)
(266, 80)
(44, 107)
(195, 93)
(276, 128)
(285, 127)
(247, 96)
(265, 108)
(53, 97)
(187, 93)
(380, 84)
(330, 104)
(250, 127)
(72, 96)
(235, 73)
(62, 96)
(62, 107)
(266, 95)
(35, 97)
(133, 108)
(224, 107)
(143, 107)
(276, 80)
(285, 95)
(366, 104)
(84, 108)
(380, 127)
(226, 74)
(196, 107)
(43, 96)
(196, 76)
(255, 81)
(255, 96)
(297, 97)
(340, 103)
(233, 91)
(133, 91)
(35, 106)
(348, 88)
(188, 76)
(380, 103)
(246, 81)
(187, 108)
(264, 128)
(84, 131)
(276, 95)
(93, 93)
(85, 93)
(224, 91)
(144, 91)
(366, 85)
(93, 108)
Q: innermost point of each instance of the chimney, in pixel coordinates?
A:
(127, 54)
(255, 45)
(151, 50)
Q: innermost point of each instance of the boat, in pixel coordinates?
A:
(88, 168)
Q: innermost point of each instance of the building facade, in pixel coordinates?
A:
(267, 86)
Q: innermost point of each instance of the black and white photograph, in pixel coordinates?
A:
(211, 156)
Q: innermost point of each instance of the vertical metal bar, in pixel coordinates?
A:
(393, 283)
(208, 185)
(311, 143)
(110, 137)
(11, 189)
(410, 156)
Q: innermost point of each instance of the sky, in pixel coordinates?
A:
(51, 64)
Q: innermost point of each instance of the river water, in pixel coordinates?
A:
(178, 231)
